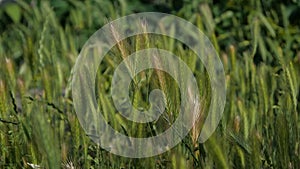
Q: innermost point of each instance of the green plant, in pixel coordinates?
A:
(257, 41)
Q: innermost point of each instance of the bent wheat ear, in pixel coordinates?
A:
(196, 130)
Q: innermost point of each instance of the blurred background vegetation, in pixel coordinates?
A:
(257, 41)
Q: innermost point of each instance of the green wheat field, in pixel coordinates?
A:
(258, 43)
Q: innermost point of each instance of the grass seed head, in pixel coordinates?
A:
(10, 68)
(236, 125)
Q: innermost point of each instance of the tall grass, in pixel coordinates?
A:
(258, 44)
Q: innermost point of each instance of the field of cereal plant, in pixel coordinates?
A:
(258, 43)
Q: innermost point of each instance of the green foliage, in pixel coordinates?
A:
(258, 42)
(14, 12)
